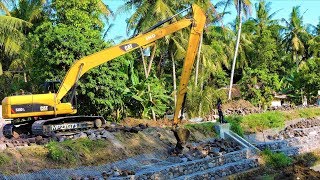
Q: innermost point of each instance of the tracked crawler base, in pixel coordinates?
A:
(68, 124)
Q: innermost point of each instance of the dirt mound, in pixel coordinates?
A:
(239, 104)
(298, 172)
(164, 122)
(291, 172)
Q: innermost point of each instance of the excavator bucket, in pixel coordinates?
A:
(181, 135)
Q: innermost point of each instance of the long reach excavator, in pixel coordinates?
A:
(45, 114)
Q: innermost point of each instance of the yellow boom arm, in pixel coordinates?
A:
(50, 104)
(85, 64)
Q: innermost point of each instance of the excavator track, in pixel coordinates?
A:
(67, 124)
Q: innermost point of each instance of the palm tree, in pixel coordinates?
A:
(264, 19)
(314, 42)
(23, 15)
(241, 5)
(146, 13)
(296, 36)
(265, 33)
(11, 36)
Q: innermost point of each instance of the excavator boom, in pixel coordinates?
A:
(83, 65)
(46, 105)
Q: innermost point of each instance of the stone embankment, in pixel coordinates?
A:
(215, 158)
(209, 167)
(300, 137)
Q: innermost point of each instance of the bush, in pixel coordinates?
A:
(276, 160)
(235, 124)
(58, 153)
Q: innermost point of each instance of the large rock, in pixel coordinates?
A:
(3, 146)
(38, 139)
(10, 145)
(92, 137)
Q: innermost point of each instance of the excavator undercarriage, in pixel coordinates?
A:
(48, 127)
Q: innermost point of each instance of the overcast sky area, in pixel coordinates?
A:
(309, 8)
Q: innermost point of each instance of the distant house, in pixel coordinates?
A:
(279, 100)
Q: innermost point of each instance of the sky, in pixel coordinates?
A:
(309, 8)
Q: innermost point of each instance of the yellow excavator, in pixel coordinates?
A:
(46, 113)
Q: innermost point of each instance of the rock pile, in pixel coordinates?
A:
(213, 148)
(113, 172)
(299, 129)
(96, 134)
(242, 111)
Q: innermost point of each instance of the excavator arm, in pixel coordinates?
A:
(85, 64)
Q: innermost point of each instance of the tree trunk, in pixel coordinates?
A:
(236, 50)
(198, 61)
(151, 58)
(201, 89)
(25, 77)
(146, 72)
(174, 80)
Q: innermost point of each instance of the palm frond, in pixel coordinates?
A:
(4, 8)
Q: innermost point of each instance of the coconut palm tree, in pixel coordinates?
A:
(264, 18)
(314, 42)
(241, 6)
(265, 33)
(295, 36)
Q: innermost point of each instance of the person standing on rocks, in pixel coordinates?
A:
(220, 113)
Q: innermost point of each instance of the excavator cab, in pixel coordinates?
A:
(51, 86)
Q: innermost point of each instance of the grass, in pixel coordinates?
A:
(260, 122)
(4, 159)
(302, 113)
(276, 160)
(205, 128)
(235, 124)
(74, 152)
(272, 119)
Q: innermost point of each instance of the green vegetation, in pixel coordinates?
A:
(206, 128)
(276, 160)
(4, 159)
(74, 152)
(40, 41)
(271, 119)
(267, 120)
(235, 124)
